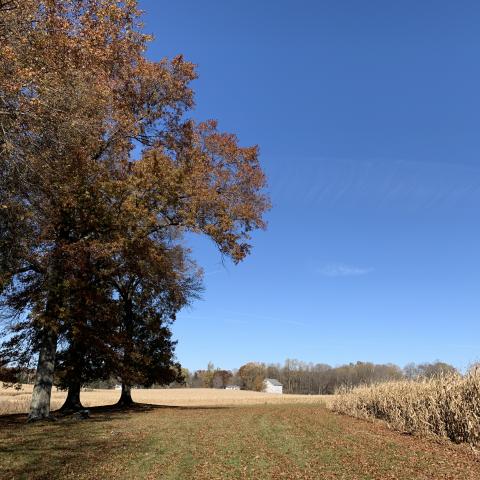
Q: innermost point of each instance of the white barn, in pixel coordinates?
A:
(270, 385)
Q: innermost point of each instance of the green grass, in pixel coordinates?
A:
(254, 442)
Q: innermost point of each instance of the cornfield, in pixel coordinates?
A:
(445, 406)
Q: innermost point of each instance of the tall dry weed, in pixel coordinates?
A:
(446, 406)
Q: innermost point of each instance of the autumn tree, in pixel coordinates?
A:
(153, 281)
(52, 115)
(428, 370)
(76, 94)
(221, 378)
(252, 375)
(87, 346)
(132, 297)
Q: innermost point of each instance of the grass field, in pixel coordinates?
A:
(208, 439)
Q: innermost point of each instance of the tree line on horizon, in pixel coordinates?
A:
(103, 171)
(299, 377)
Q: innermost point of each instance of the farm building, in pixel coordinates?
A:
(232, 387)
(270, 385)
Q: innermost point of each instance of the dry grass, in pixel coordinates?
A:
(12, 401)
(18, 401)
(255, 442)
(447, 406)
(217, 435)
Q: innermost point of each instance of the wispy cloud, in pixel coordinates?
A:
(405, 184)
(342, 270)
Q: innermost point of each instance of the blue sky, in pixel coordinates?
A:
(367, 115)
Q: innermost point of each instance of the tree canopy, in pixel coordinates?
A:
(92, 260)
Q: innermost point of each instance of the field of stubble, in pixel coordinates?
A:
(12, 401)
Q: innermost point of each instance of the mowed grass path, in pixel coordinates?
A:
(239, 442)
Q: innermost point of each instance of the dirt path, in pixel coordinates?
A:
(252, 442)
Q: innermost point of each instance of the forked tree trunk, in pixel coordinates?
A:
(72, 402)
(126, 396)
(40, 406)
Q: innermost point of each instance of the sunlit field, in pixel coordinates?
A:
(13, 401)
(207, 434)
(223, 442)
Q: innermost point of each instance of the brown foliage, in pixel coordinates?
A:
(252, 375)
(76, 95)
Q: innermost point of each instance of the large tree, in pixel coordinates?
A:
(88, 341)
(76, 95)
(152, 280)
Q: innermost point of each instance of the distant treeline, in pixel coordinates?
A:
(308, 378)
(296, 376)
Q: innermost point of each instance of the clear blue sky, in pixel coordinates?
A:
(367, 115)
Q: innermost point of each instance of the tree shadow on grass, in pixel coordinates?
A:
(102, 412)
(148, 407)
(53, 450)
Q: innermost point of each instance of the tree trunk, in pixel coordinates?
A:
(72, 403)
(40, 406)
(75, 357)
(126, 396)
